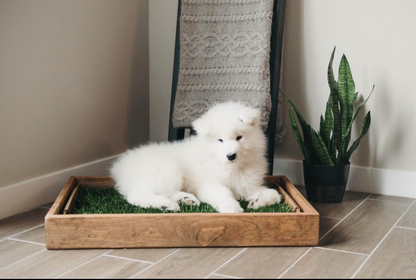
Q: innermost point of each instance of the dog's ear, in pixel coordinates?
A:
(201, 126)
(250, 116)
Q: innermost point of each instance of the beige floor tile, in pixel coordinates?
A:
(49, 264)
(324, 264)
(190, 263)
(148, 255)
(395, 258)
(406, 200)
(366, 227)
(326, 224)
(106, 268)
(35, 235)
(216, 276)
(22, 222)
(13, 251)
(409, 220)
(262, 262)
(341, 210)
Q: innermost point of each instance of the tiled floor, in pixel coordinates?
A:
(366, 236)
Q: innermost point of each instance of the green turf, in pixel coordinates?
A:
(108, 201)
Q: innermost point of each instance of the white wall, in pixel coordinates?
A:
(378, 38)
(376, 35)
(74, 92)
(73, 83)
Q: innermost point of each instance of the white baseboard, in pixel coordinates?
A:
(361, 179)
(29, 194)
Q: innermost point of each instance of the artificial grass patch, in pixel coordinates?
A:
(107, 200)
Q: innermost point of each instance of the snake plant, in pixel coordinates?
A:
(331, 144)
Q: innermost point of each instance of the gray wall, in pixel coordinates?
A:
(162, 30)
(73, 83)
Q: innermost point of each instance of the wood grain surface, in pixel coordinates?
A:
(323, 264)
(394, 259)
(366, 227)
(177, 229)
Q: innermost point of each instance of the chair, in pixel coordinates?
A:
(275, 65)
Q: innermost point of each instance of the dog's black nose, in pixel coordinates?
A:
(231, 157)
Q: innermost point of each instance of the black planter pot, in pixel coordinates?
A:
(325, 184)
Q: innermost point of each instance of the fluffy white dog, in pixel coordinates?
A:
(223, 163)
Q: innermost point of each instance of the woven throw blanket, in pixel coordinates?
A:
(224, 55)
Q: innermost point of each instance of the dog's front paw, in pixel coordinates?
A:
(254, 204)
(171, 207)
(230, 209)
(266, 198)
(190, 199)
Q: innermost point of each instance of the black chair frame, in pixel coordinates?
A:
(275, 65)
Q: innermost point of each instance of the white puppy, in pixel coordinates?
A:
(223, 163)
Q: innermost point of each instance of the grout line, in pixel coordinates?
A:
(226, 276)
(11, 236)
(293, 264)
(381, 242)
(408, 228)
(147, 268)
(341, 251)
(332, 229)
(343, 219)
(19, 261)
(227, 262)
(127, 259)
(81, 265)
(25, 241)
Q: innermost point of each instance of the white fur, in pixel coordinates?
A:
(197, 168)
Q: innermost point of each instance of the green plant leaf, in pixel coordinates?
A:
(365, 126)
(345, 141)
(320, 149)
(334, 101)
(297, 135)
(346, 94)
(306, 132)
(357, 111)
(333, 150)
(323, 129)
(327, 125)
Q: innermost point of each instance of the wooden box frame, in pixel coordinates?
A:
(115, 231)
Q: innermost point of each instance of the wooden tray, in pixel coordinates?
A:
(67, 231)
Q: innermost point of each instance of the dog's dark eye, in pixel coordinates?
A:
(239, 138)
(220, 140)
